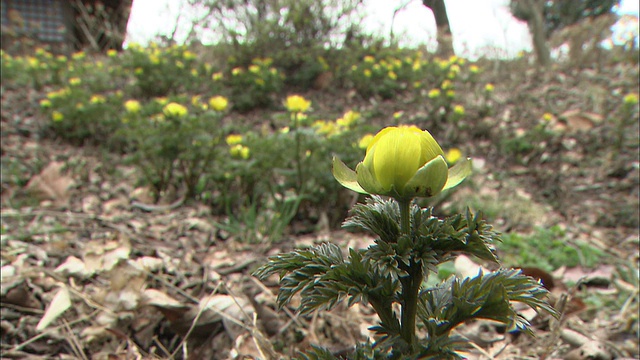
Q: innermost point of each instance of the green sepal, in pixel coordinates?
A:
(346, 177)
(368, 181)
(428, 180)
(457, 173)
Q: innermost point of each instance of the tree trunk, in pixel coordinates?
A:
(532, 12)
(444, 36)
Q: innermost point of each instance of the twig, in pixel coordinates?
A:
(54, 330)
(73, 341)
(193, 324)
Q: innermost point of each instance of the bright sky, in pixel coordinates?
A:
(477, 25)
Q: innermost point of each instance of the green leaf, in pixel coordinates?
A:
(346, 177)
(458, 172)
(378, 216)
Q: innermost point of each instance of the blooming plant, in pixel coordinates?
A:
(403, 163)
(254, 86)
(173, 143)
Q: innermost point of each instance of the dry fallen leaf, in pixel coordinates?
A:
(50, 184)
(59, 304)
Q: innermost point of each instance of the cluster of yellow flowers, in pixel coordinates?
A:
(236, 149)
(340, 125)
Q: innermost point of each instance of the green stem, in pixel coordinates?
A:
(298, 154)
(410, 283)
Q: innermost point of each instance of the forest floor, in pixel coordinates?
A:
(143, 281)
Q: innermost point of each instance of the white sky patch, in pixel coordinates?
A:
(479, 27)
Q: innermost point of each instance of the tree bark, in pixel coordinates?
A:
(444, 36)
(532, 12)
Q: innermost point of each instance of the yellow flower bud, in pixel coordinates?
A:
(458, 109)
(489, 87)
(402, 162)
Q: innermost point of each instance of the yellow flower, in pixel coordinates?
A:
(365, 141)
(218, 103)
(453, 155)
(97, 99)
(325, 127)
(297, 104)
(367, 72)
(451, 93)
(254, 69)
(188, 55)
(240, 151)
(398, 114)
(446, 85)
(392, 75)
(74, 81)
(403, 162)
(458, 109)
(138, 71)
(631, 99)
(489, 87)
(174, 109)
(216, 76)
(61, 58)
(236, 71)
(348, 119)
(112, 53)
(78, 55)
(260, 82)
(234, 139)
(57, 116)
(45, 103)
(354, 68)
(474, 69)
(179, 64)
(433, 93)
(194, 72)
(547, 116)
(132, 106)
(369, 59)
(161, 100)
(33, 62)
(284, 130)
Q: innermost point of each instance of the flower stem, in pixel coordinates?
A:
(410, 283)
(298, 154)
